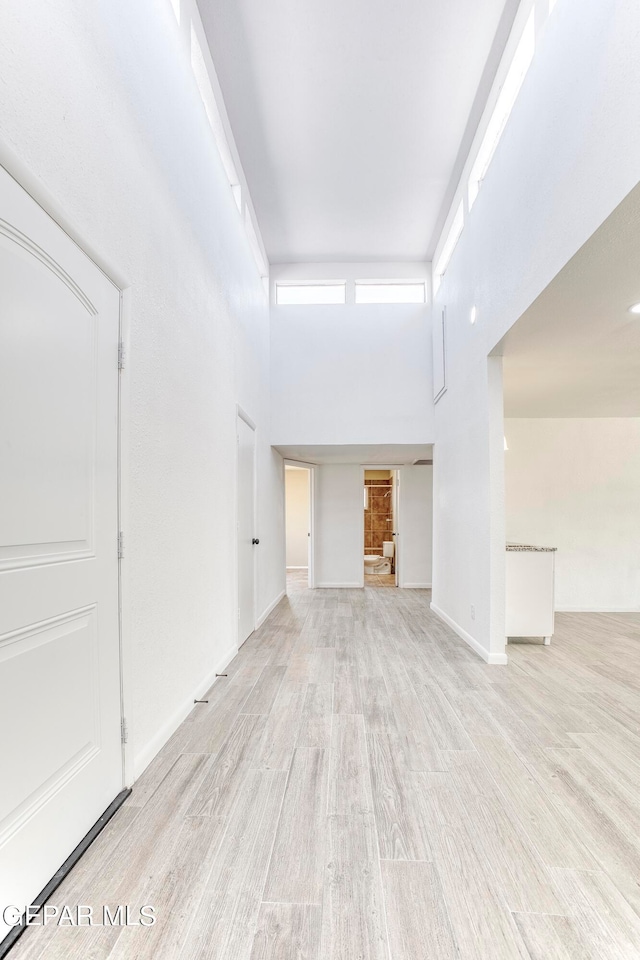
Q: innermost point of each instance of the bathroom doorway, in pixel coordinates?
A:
(381, 499)
(298, 496)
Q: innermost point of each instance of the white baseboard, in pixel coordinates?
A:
(298, 568)
(416, 586)
(274, 603)
(143, 757)
(339, 586)
(597, 610)
(494, 658)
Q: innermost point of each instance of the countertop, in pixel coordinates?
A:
(527, 547)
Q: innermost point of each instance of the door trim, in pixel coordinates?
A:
(243, 415)
(397, 523)
(397, 467)
(311, 467)
(21, 173)
(124, 599)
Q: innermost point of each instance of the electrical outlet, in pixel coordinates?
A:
(473, 612)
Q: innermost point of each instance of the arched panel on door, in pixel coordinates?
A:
(59, 642)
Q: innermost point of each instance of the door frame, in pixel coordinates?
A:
(397, 468)
(31, 184)
(311, 467)
(244, 416)
(396, 493)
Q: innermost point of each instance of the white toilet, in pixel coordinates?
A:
(380, 565)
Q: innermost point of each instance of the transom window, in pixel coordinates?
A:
(391, 291)
(303, 294)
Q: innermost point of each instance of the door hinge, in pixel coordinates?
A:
(120, 355)
(124, 731)
(120, 545)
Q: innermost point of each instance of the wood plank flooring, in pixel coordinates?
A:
(379, 580)
(363, 787)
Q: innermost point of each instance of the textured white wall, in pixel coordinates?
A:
(574, 484)
(359, 373)
(569, 154)
(415, 526)
(339, 525)
(100, 104)
(297, 483)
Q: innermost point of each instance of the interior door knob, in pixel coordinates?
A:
(255, 541)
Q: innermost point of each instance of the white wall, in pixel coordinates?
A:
(569, 154)
(575, 485)
(339, 525)
(359, 373)
(296, 483)
(100, 104)
(415, 526)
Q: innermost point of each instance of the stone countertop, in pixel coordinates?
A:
(527, 547)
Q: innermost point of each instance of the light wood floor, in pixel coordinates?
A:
(362, 786)
(379, 580)
(298, 580)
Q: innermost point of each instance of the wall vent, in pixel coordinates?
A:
(422, 463)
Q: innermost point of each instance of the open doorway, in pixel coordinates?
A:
(381, 499)
(298, 484)
(571, 383)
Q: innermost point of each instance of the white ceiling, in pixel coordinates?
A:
(576, 351)
(350, 115)
(388, 454)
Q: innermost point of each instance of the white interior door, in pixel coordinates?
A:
(247, 537)
(61, 762)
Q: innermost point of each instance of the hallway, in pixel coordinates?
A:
(363, 786)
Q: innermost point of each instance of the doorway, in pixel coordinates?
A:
(381, 520)
(59, 617)
(248, 540)
(298, 489)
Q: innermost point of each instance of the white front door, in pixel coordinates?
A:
(247, 536)
(61, 762)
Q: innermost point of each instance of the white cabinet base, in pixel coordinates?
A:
(529, 594)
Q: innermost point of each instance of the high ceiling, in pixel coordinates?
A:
(576, 351)
(352, 117)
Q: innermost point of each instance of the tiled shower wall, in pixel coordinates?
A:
(378, 517)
